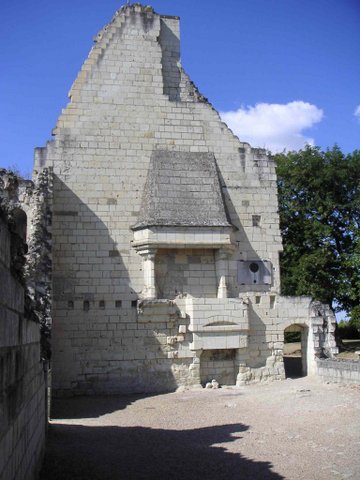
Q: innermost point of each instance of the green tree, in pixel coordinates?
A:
(355, 317)
(319, 206)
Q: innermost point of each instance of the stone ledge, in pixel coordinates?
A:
(182, 237)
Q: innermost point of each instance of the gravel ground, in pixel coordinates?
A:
(295, 429)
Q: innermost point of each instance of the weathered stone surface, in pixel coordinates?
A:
(22, 397)
(156, 202)
(182, 189)
(339, 371)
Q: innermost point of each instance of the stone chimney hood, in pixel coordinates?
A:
(182, 204)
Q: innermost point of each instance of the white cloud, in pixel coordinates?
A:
(274, 126)
(357, 111)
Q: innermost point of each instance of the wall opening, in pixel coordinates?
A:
(295, 351)
(20, 221)
(218, 365)
(256, 219)
(272, 301)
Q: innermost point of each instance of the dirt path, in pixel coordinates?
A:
(296, 429)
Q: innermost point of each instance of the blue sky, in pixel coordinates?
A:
(282, 72)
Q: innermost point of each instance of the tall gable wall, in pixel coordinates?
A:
(131, 98)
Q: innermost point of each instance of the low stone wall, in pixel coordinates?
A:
(339, 371)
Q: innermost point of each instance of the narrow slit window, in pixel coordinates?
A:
(256, 219)
(272, 301)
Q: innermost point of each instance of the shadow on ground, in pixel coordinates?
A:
(92, 406)
(80, 452)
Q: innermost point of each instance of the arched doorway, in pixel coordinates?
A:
(295, 351)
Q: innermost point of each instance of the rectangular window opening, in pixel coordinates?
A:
(256, 219)
(118, 303)
(272, 301)
(102, 304)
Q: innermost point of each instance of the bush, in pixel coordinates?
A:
(355, 317)
(346, 330)
(292, 337)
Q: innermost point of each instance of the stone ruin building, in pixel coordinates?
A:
(165, 230)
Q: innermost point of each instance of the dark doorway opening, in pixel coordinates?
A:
(294, 352)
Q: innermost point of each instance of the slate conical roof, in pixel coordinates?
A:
(182, 189)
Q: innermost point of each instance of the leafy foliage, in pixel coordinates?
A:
(355, 317)
(319, 206)
(291, 337)
(345, 330)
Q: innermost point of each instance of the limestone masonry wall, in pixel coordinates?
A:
(22, 401)
(130, 100)
(186, 271)
(339, 371)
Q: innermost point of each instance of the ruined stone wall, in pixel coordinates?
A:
(269, 316)
(130, 98)
(181, 271)
(146, 353)
(22, 398)
(28, 206)
(38, 266)
(25, 317)
(218, 365)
